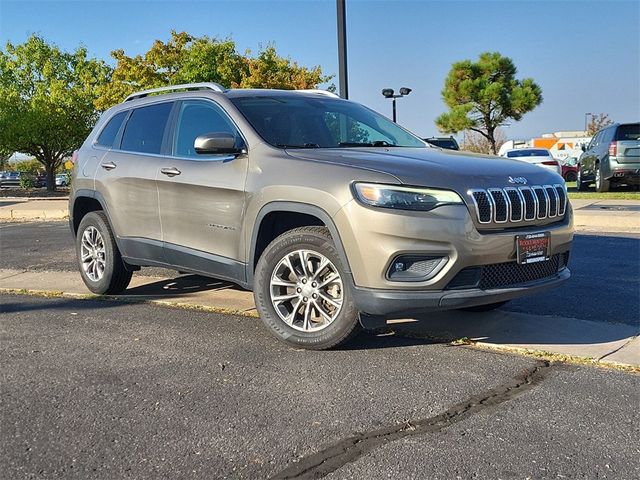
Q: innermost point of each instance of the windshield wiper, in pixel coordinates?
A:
(377, 143)
(306, 145)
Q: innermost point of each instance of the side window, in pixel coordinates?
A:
(145, 129)
(197, 118)
(109, 132)
(595, 141)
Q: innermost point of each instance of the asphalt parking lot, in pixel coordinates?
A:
(106, 389)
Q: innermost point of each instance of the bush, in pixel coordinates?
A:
(26, 181)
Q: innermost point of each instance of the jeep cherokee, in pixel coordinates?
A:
(327, 210)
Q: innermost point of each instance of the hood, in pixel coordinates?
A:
(432, 167)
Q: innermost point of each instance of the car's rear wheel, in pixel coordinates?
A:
(570, 176)
(301, 291)
(101, 266)
(602, 184)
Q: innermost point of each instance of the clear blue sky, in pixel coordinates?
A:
(584, 54)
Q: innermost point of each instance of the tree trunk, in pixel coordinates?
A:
(51, 176)
(492, 140)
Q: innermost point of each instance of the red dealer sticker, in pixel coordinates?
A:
(533, 247)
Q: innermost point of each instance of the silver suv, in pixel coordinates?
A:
(327, 210)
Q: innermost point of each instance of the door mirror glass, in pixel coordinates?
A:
(217, 142)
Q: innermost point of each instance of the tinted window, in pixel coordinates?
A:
(197, 118)
(448, 143)
(300, 121)
(109, 132)
(526, 152)
(628, 132)
(145, 128)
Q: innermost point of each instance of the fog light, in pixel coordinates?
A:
(414, 268)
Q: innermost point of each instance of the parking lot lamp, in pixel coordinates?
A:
(389, 93)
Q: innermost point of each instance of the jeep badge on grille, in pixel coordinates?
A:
(518, 180)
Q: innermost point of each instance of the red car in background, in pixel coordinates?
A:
(569, 169)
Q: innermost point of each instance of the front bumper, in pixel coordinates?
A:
(374, 238)
(398, 304)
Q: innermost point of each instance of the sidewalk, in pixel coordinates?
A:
(589, 215)
(23, 209)
(601, 342)
(606, 215)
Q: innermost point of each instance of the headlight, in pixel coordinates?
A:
(404, 198)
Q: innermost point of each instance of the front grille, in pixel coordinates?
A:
(509, 274)
(517, 204)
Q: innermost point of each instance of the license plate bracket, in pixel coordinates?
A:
(532, 247)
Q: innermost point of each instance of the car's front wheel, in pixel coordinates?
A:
(101, 266)
(581, 185)
(301, 292)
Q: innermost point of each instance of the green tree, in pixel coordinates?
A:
(598, 122)
(46, 100)
(186, 59)
(485, 95)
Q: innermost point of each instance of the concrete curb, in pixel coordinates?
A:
(598, 343)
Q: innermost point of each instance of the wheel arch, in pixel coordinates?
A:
(299, 214)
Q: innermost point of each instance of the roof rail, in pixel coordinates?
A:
(171, 88)
(320, 92)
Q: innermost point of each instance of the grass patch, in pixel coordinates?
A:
(591, 194)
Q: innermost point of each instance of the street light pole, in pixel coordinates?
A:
(394, 110)
(585, 121)
(342, 49)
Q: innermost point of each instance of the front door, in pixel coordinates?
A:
(201, 197)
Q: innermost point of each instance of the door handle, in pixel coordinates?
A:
(170, 172)
(108, 165)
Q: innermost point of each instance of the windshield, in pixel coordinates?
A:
(297, 121)
(528, 153)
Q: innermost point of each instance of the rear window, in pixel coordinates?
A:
(109, 132)
(528, 153)
(628, 132)
(449, 143)
(145, 129)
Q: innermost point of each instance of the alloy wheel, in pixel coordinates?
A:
(93, 254)
(306, 290)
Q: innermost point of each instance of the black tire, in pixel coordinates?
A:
(344, 326)
(115, 277)
(570, 177)
(581, 186)
(485, 308)
(602, 184)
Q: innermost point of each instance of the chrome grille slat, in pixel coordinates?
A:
(519, 204)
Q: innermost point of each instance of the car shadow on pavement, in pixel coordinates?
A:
(516, 329)
(180, 286)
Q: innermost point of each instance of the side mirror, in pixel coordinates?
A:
(217, 142)
(583, 147)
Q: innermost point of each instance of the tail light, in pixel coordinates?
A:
(551, 162)
(74, 156)
(613, 149)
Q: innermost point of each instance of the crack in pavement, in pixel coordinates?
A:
(345, 451)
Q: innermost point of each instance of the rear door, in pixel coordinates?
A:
(126, 179)
(201, 197)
